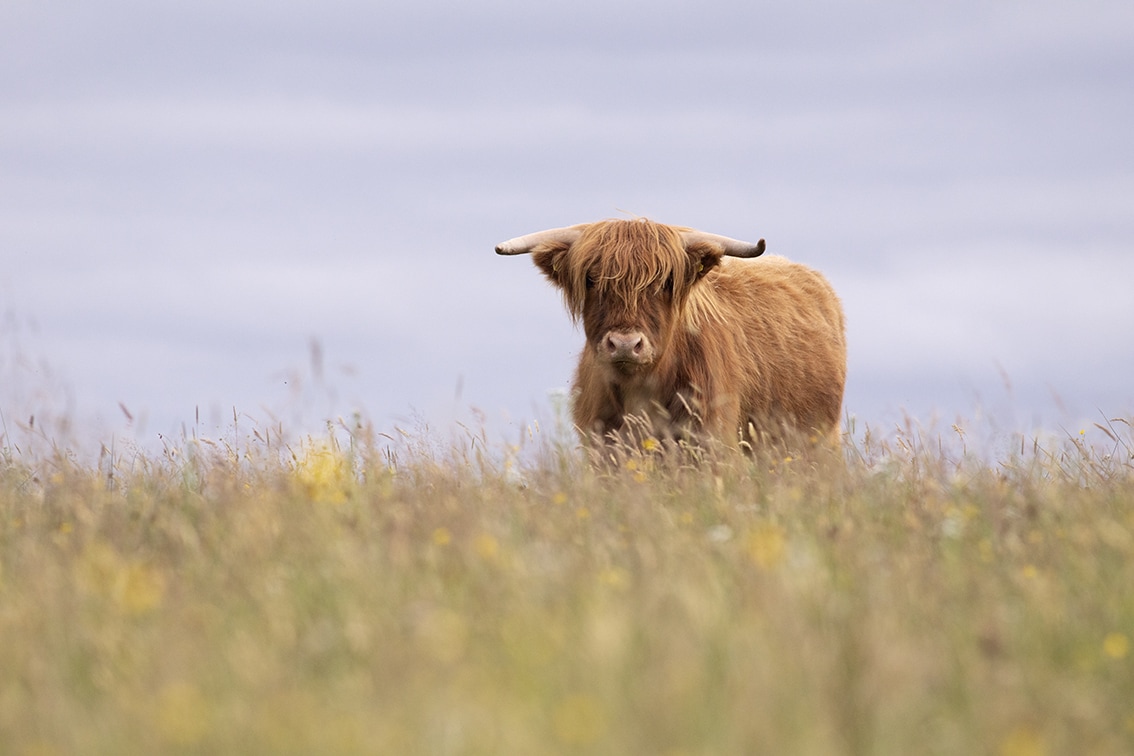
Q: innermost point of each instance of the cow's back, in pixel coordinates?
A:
(790, 326)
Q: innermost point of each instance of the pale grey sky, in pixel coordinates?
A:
(190, 193)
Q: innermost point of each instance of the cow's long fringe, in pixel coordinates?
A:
(609, 259)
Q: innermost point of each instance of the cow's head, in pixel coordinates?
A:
(628, 281)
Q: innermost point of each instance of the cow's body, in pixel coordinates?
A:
(690, 340)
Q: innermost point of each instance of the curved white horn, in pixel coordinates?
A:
(524, 244)
(732, 247)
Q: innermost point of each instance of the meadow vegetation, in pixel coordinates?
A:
(366, 593)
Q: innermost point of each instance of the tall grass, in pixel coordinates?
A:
(363, 593)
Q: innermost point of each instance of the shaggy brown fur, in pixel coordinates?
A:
(740, 349)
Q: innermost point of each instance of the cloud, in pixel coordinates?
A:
(201, 188)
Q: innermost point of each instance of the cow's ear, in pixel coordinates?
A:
(704, 256)
(552, 260)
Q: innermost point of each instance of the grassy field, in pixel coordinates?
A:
(366, 594)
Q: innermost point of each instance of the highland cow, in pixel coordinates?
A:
(691, 340)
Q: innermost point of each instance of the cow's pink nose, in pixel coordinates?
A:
(624, 345)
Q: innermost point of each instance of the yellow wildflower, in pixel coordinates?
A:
(614, 577)
(1023, 741)
(1116, 645)
(324, 473)
(133, 586)
(139, 588)
(486, 547)
(767, 545)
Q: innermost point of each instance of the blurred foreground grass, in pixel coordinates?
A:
(366, 595)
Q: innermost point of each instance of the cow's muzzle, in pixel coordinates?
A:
(627, 349)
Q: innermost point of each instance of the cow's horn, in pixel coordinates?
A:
(524, 244)
(732, 247)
